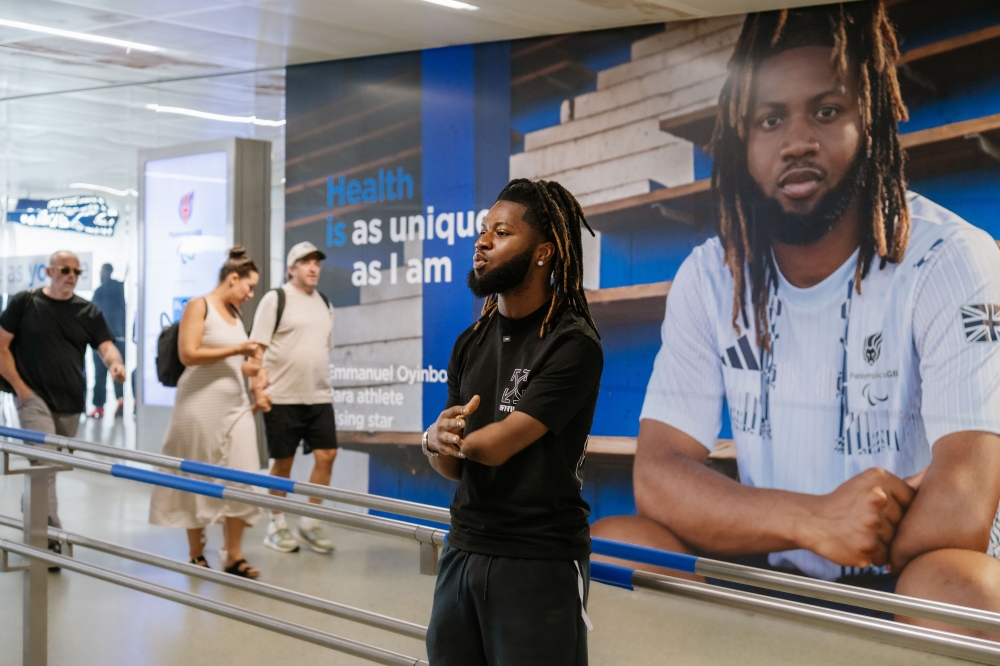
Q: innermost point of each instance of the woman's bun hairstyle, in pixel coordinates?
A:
(239, 263)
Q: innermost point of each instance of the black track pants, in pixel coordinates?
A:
(498, 611)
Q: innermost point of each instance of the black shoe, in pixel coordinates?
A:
(55, 547)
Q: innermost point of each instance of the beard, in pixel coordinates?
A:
(502, 277)
(807, 228)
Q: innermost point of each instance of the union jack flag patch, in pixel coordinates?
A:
(981, 322)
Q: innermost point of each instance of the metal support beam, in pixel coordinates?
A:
(35, 614)
(429, 554)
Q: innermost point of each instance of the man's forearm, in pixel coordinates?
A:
(8, 368)
(957, 500)
(498, 442)
(714, 514)
(449, 467)
(110, 355)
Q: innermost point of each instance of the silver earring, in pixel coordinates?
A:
(539, 263)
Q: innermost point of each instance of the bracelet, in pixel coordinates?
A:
(423, 445)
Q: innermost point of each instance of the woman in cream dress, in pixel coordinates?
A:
(212, 421)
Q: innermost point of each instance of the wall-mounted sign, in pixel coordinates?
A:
(28, 272)
(186, 239)
(84, 214)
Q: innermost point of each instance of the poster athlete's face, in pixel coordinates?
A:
(805, 128)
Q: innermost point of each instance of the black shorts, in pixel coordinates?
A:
(287, 425)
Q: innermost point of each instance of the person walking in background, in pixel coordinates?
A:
(212, 421)
(110, 298)
(295, 324)
(44, 334)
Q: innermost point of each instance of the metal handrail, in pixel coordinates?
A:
(324, 639)
(971, 618)
(377, 524)
(333, 608)
(871, 599)
(896, 633)
(891, 632)
(387, 504)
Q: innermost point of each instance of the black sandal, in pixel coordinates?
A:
(242, 569)
(200, 561)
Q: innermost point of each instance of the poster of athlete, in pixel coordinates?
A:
(795, 277)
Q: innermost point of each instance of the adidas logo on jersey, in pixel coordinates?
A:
(741, 356)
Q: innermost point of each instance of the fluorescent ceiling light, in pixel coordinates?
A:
(452, 4)
(80, 35)
(102, 188)
(215, 116)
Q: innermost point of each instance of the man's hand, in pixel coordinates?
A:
(22, 392)
(117, 371)
(262, 401)
(854, 525)
(445, 435)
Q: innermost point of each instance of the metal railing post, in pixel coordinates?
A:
(35, 600)
(431, 539)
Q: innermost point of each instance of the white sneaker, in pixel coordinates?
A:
(315, 539)
(279, 538)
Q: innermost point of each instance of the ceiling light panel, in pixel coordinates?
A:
(215, 116)
(81, 36)
(452, 4)
(103, 188)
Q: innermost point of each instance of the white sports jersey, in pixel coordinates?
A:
(852, 382)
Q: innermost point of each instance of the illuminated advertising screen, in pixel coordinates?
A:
(186, 239)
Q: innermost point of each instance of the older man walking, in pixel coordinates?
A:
(44, 334)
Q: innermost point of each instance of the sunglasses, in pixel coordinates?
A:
(66, 270)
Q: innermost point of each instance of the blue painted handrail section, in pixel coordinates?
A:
(645, 555)
(189, 466)
(238, 476)
(27, 435)
(612, 574)
(169, 481)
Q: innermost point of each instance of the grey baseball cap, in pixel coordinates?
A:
(301, 251)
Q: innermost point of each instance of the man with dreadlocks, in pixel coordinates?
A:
(853, 328)
(522, 388)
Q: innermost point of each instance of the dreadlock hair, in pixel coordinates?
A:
(551, 210)
(863, 40)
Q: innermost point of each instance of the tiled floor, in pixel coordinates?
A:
(92, 622)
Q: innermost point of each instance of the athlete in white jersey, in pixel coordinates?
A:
(858, 353)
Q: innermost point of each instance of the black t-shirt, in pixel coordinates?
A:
(529, 507)
(50, 338)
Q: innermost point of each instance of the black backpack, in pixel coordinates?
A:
(281, 305)
(168, 360)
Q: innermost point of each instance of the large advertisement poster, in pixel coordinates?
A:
(186, 240)
(392, 162)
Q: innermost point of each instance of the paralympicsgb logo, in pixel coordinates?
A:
(873, 347)
(186, 206)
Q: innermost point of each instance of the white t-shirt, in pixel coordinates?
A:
(795, 425)
(298, 352)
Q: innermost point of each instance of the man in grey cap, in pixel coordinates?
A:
(295, 325)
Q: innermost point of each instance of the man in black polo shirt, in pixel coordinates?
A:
(43, 336)
(522, 388)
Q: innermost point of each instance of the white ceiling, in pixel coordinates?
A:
(75, 111)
